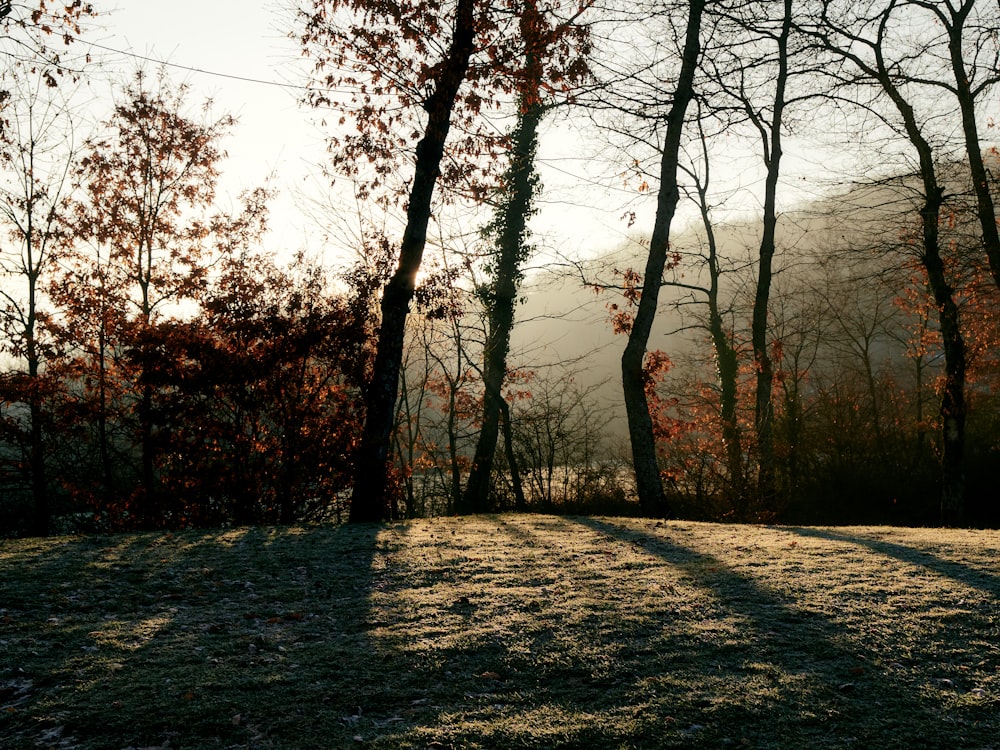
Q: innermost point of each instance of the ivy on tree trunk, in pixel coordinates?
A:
(502, 299)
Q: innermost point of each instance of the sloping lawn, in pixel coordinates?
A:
(503, 632)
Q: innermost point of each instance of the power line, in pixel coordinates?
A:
(191, 69)
(260, 81)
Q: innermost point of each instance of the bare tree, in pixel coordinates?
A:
(36, 155)
(968, 34)
(864, 42)
(711, 291)
(770, 128)
(640, 423)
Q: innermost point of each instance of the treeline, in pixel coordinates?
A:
(162, 369)
(244, 411)
(830, 359)
(858, 376)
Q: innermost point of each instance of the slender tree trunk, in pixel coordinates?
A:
(36, 458)
(102, 416)
(640, 424)
(985, 207)
(512, 221)
(147, 471)
(148, 511)
(405, 442)
(727, 363)
(953, 395)
(455, 490)
(763, 402)
(953, 410)
(728, 372)
(39, 483)
(793, 417)
(370, 501)
(520, 503)
(881, 448)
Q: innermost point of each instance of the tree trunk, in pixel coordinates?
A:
(104, 450)
(147, 471)
(640, 424)
(370, 500)
(727, 363)
(36, 456)
(520, 503)
(953, 396)
(39, 484)
(512, 220)
(728, 372)
(985, 208)
(455, 490)
(763, 402)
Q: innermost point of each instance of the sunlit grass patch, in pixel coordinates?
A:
(503, 632)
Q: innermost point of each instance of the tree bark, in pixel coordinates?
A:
(512, 220)
(369, 500)
(652, 500)
(985, 207)
(952, 409)
(763, 402)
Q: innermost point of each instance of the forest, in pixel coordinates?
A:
(798, 322)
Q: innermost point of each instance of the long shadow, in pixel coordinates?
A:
(980, 579)
(830, 669)
(191, 640)
(742, 666)
(324, 635)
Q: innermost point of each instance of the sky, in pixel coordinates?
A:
(214, 46)
(239, 54)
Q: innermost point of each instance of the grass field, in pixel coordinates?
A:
(503, 632)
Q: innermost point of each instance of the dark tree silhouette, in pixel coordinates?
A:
(864, 45)
(634, 377)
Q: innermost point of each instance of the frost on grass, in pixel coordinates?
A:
(503, 632)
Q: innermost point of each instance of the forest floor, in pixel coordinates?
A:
(503, 632)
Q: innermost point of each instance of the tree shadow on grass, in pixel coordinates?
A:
(967, 575)
(825, 673)
(587, 634)
(195, 639)
(519, 632)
